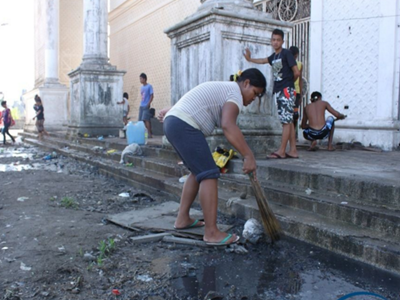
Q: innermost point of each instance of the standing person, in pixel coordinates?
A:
(7, 120)
(39, 109)
(298, 85)
(125, 108)
(146, 91)
(314, 124)
(194, 116)
(285, 73)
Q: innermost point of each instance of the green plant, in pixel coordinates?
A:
(54, 198)
(68, 202)
(105, 249)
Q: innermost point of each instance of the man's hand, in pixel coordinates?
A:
(162, 114)
(342, 117)
(247, 54)
(33, 118)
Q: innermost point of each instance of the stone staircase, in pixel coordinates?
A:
(349, 215)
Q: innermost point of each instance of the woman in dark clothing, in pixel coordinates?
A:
(38, 107)
(7, 120)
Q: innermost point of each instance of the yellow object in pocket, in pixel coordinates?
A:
(222, 156)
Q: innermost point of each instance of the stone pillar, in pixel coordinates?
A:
(95, 32)
(53, 94)
(51, 42)
(208, 46)
(96, 86)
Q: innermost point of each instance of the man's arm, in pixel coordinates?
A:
(337, 114)
(247, 56)
(151, 99)
(304, 121)
(296, 72)
(230, 112)
(301, 80)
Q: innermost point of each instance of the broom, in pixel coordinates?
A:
(270, 223)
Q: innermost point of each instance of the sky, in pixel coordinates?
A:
(16, 48)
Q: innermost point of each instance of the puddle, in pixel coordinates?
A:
(288, 273)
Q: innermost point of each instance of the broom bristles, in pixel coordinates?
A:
(270, 223)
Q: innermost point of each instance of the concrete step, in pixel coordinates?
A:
(329, 205)
(364, 244)
(349, 240)
(362, 189)
(326, 204)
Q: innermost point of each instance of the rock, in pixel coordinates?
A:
(88, 257)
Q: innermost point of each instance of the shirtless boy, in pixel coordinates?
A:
(317, 128)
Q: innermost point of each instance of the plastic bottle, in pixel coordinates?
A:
(146, 136)
(135, 133)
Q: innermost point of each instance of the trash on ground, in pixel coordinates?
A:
(124, 195)
(344, 202)
(22, 199)
(184, 241)
(116, 292)
(23, 267)
(149, 238)
(111, 151)
(161, 218)
(236, 249)
(100, 138)
(183, 178)
(133, 149)
(253, 231)
(308, 191)
(144, 278)
(232, 201)
(97, 148)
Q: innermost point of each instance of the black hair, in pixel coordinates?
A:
(125, 95)
(278, 32)
(294, 50)
(3, 103)
(256, 78)
(232, 78)
(144, 76)
(37, 98)
(315, 96)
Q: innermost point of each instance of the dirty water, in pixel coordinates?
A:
(291, 270)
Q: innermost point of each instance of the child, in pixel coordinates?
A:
(318, 128)
(7, 120)
(298, 85)
(194, 116)
(285, 73)
(38, 107)
(146, 91)
(125, 108)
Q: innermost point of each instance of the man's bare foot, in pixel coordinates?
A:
(313, 146)
(330, 148)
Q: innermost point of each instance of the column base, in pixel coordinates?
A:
(95, 91)
(54, 98)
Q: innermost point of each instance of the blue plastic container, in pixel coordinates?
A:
(135, 133)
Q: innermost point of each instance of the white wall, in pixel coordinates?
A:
(354, 62)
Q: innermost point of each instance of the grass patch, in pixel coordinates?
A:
(68, 202)
(105, 249)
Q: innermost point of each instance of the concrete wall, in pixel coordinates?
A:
(354, 62)
(138, 44)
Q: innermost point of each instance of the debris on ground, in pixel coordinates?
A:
(253, 231)
(132, 149)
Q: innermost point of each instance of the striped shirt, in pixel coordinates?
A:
(202, 106)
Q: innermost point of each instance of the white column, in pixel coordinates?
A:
(51, 41)
(95, 32)
(316, 46)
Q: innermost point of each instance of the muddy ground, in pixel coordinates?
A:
(55, 243)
